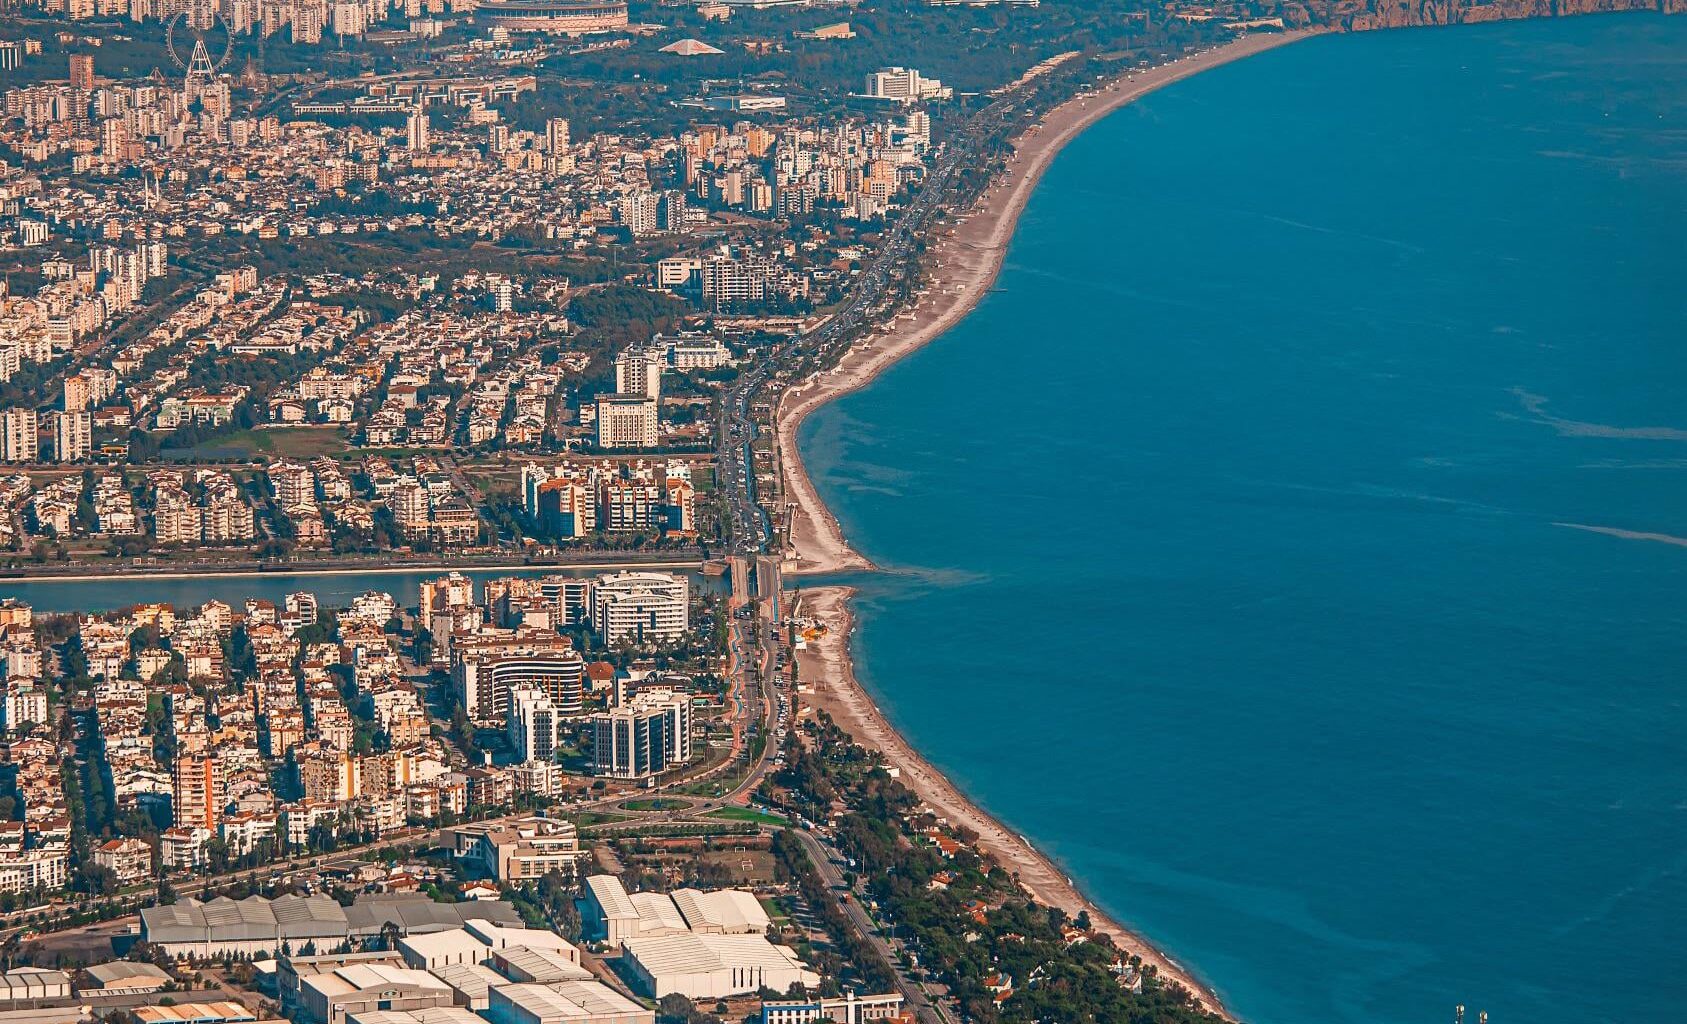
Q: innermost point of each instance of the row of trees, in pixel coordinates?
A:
(978, 922)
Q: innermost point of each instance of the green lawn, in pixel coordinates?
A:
(656, 804)
(286, 442)
(495, 481)
(775, 910)
(748, 814)
(598, 818)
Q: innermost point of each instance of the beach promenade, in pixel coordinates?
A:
(963, 262)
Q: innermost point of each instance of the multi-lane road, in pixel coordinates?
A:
(826, 863)
(751, 528)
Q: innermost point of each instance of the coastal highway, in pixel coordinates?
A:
(826, 863)
(751, 529)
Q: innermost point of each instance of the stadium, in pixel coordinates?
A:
(557, 17)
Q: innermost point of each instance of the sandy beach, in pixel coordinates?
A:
(963, 261)
(826, 667)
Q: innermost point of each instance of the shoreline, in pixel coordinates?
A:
(963, 264)
(829, 675)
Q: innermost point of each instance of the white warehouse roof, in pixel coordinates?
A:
(706, 966)
(501, 937)
(436, 949)
(522, 963)
(431, 1015)
(473, 983)
(657, 913)
(577, 1002)
(611, 895)
(722, 911)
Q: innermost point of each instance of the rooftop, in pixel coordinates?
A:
(364, 977)
(539, 965)
(569, 1000)
(194, 1013)
(691, 953)
(306, 917)
(721, 910)
(447, 943)
(472, 981)
(126, 970)
(431, 1015)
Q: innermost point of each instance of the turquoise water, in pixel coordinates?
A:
(1244, 543)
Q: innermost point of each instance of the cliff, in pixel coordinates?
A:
(1360, 15)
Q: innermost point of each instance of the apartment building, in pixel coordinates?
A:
(626, 421)
(644, 737)
(73, 436)
(641, 606)
(200, 792)
(535, 725)
(19, 440)
(486, 668)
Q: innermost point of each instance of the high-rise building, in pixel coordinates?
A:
(486, 671)
(76, 393)
(349, 19)
(641, 606)
(626, 421)
(569, 597)
(916, 127)
(637, 211)
(534, 724)
(566, 508)
(73, 436)
(81, 71)
(18, 440)
(331, 775)
(409, 504)
(645, 737)
(22, 702)
(416, 131)
(200, 791)
(295, 486)
(114, 137)
(92, 385)
(638, 371)
(674, 213)
(556, 134)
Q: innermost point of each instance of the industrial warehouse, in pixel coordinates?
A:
(288, 923)
(702, 945)
(452, 962)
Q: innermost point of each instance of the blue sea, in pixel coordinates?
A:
(1295, 543)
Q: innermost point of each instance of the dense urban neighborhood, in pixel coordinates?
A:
(523, 300)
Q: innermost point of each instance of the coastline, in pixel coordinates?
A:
(828, 673)
(964, 263)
